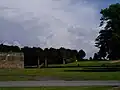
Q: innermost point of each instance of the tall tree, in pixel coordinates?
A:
(108, 40)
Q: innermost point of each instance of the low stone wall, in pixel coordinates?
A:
(11, 60)
(11, 64)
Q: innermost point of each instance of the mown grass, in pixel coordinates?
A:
(32, 74)
(61, 73)
(88, 63)
(60, 88)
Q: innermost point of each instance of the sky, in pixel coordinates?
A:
(71, 24)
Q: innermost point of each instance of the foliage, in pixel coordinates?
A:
(81, 54)
(52, 55)
(108, 40)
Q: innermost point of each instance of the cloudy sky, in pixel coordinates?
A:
(51, 23)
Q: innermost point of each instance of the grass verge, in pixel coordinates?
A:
(88, 63)
(60, 88)
(37, 74)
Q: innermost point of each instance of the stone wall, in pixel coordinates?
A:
(11, 60)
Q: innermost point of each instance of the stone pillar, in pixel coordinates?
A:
(7, 57)
(63, 61)
(22, 64)
(46, 63)
(38, 62)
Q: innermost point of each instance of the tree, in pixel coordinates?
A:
(63, 53)
(96, 56)
(81, 54)
(90, 58)
(108, 40)
(53, 56)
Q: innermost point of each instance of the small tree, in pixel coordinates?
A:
(81, 54)
(96, 56)
(90, 58)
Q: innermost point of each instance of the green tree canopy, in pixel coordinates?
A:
(108, 40)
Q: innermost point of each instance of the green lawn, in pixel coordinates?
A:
(61, 88)
(88, 63)
(35, 74)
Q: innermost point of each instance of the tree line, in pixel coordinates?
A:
(51, 54)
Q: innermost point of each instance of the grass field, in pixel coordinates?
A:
(61, 88)
(59, 73)
(89, 63)
(63, 73)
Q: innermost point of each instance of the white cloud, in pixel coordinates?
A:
(49, 23)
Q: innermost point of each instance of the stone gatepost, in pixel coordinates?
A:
(46, 63)
(63, 61)
(38, 62)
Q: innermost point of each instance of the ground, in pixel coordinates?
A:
(55, 73)
(90, 63)
(62, 88)
(77, 73)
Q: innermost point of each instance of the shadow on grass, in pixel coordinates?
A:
(95, 70)
(78, 66)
